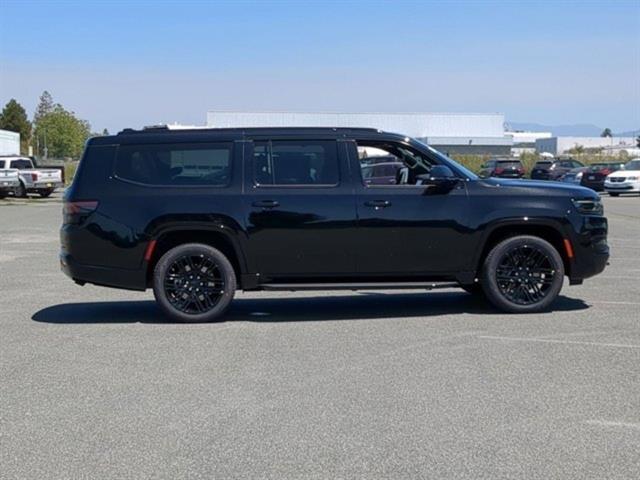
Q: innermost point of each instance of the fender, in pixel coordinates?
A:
(219, 224)
(519, 223)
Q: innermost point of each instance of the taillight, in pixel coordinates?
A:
(34, 177)
(498, 171)
(76, 212)
(605, 171)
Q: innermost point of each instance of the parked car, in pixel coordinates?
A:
(9, 181)
(502, 169)
(595, 174)
(381, 173)
(289, 209)
(574, 175)
(43, 181)
(553, 169)
(625, 180)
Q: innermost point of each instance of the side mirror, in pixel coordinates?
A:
(441, 177)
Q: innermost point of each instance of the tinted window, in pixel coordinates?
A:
(507, 164)
(2, 164)
(542, 165)
(21, 164)
(313, 162)
(175, 164)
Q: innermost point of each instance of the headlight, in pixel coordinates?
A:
(579, 175)
(588, 206)
(632, 178)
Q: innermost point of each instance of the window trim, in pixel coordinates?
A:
(297, 185)
(229, 182)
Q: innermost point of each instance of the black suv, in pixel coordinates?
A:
(197, 214)
(502, 169)
(553, 170)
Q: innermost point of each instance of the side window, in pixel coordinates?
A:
(386, 163)
(303, 162)
(21, 164)
(175, 164)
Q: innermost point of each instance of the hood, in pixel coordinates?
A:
(543, 187)
(625, 173)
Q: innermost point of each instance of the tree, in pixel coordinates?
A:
(638, 141)
(14, 118)
(45, 105)
(105, 132)
(606, 133)
(61, 133)
(576, 150)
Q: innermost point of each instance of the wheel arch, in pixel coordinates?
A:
(547, 230)
(219, 237)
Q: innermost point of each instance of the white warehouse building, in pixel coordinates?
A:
(471, 133)
(562, 145)
(9, 143)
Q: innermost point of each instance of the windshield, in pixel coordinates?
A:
(633, 164)
(449, 162)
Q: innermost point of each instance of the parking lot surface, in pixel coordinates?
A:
(94, 383)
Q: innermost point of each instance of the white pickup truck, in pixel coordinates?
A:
(30, 178)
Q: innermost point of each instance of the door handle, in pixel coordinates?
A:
(378, 203)
(266, 203)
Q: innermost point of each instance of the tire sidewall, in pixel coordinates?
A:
(490, 283)
(223, 264)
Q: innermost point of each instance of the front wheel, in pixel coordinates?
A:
(523, 274)
(194, 283)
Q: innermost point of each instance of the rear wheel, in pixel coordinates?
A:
(194, 283)
(523, 274)
(613, 194)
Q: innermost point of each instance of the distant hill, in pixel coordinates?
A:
(577, 130)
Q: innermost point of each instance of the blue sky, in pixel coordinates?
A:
(128, 63)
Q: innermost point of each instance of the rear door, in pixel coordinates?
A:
(300, 210)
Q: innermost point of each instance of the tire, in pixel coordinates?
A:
(21, 191)
(613, 194)
(531, 273)
(45, 193)
(175, 266)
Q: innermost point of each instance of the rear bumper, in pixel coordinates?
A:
(8, 185)
(44, 186)
(107, 277)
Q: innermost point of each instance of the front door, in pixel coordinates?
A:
(300, 208)
(407, 228)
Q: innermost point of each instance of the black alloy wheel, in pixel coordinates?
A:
(194, 283)
(523, 274)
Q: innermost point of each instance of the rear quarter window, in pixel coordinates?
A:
(175, 164)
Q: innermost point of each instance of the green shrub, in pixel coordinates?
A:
(69, 171)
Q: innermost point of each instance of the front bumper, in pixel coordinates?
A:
(590, 248)
(628, 186)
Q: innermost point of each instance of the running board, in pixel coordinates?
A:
(358, 286)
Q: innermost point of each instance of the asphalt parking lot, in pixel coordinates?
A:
(96, 384)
